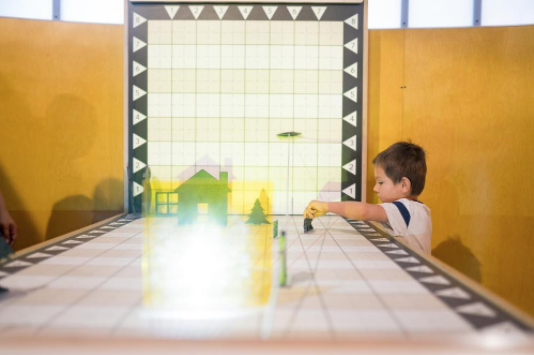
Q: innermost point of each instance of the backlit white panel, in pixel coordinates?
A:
(35, 9)
(440, 13)
(384, 14)
(509, 12)
(100, 11)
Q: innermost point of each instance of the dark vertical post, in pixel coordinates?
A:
(477, 12)
(56, 10)
(405, 7)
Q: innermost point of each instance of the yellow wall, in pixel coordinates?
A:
(469, 101)
(61, 133)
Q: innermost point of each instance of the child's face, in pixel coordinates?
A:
(386, 189)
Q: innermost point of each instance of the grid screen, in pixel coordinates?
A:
(265, 97)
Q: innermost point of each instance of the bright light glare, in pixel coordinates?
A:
(200, 271)
(503, 341)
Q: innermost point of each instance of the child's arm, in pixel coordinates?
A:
(348, 209)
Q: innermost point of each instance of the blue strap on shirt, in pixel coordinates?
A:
(403, 211)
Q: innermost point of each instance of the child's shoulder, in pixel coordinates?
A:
(412, 203)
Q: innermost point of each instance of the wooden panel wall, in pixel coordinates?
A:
(61, 133)
(469, 101)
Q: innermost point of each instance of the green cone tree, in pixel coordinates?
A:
(257, 216)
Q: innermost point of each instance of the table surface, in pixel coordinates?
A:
(149, 278)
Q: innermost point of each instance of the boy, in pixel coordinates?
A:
(400, 173)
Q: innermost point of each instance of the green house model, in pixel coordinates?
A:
(200, 191)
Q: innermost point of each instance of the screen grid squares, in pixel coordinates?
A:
(220, 91)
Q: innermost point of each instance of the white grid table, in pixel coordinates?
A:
(346, 283)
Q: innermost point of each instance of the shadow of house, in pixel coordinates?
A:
(203, 189)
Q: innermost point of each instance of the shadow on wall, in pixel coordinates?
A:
(455, 254)
(79, 211)
(73, 137)
(43, 152)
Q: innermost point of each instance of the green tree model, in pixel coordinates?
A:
(256, 215)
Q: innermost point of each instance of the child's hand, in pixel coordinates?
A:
(316, 209)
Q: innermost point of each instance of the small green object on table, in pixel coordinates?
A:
(283, 262)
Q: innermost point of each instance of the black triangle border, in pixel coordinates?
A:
(478, 322)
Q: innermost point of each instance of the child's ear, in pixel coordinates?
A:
(406, 185)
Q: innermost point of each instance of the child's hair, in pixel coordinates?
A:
(404, 159)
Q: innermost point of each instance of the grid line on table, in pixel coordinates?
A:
(294, 312)
(268, 245)
(90, 291)
(83, 237)
(333, 223)
(87, 294)
(340, 320)
(133, 307)
(57, 276)
(312, 283)
(371, 286)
